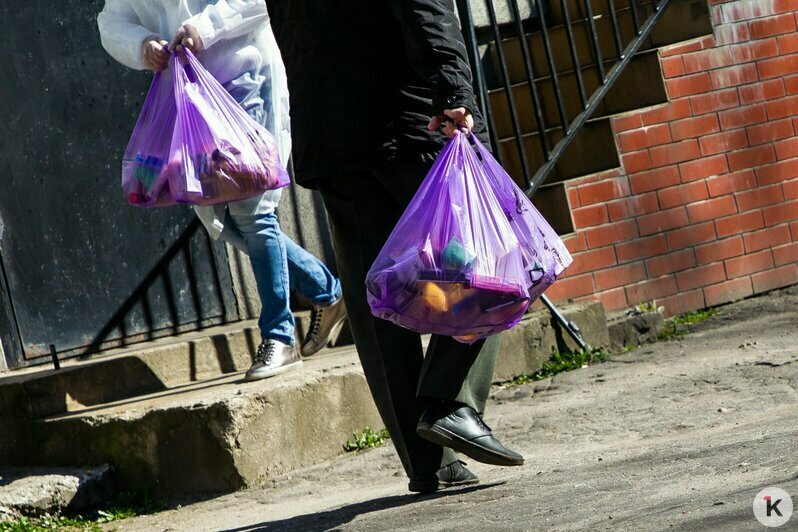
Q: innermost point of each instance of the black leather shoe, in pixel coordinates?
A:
(459, 427)
(450, 476)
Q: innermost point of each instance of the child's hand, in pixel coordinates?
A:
(154, 54)
(187, 36)
(453, 120)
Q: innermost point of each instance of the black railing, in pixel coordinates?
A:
(608, 66)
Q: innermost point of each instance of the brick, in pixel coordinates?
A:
(782, 108)
(701, 276)
(706, 60)
(690, 236)
(783, 6)
(590, 216)
(794, 229)
(672, 66)
(766, 238)
(639, 139)
(776, 130)
(786, 149)
(670, 263)
(786, 254)
(729, 183)
(614, 299)
(636, 161)
(682, 48)
(722, 142)
(778, 172)
(728, 291)
(714, 101)
(694, 127)
(679, 152)
(748, 264)
(702, 168)
(573, 196)
(575, 243)
(776, 278)
(662, 221)
(675, 110)
(633, 206)
(641, 248)
(627, 122)
(768, 27)
(720, 250)
(760, 92)
(732, 33)
(619, 276)
(651, 289)
(611, 233)
(759, 197)
(591, 260)
(791, 84)
(744, 116)
(739, 223)
(712, 209)
(790, 189)
(603, 190)
(788, 44)
(683, 303)
(778, 67)
(571, 287)
(751, 157)
(655, 179)
(688, 85)
(733, 76)
(752, 51)
(784, 212)
(737, 11)
(682, 194)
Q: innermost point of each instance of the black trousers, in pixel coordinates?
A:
(363, 209)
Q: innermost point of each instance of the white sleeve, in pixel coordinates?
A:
(122, 34)
(227, 19)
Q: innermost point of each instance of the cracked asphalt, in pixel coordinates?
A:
(677, 435)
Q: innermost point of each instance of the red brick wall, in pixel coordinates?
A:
(705, 208)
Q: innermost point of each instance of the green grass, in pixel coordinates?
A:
(677, 326)
(123, 506)
(562, 361)
(366, 439)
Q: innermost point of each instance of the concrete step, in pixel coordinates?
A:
(221, 434)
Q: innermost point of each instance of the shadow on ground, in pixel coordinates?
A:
(332, 519)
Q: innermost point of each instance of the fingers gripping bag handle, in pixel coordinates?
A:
(544, 251)
(452, 265)
(145, 157)
(219, 153)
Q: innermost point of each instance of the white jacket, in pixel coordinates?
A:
(237, 38)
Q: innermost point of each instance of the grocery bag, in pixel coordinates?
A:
(469, 254)
(193, 143)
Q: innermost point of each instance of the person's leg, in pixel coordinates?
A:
(362, 214)
(309, 277)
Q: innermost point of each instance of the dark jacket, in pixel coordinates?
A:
(365, 77)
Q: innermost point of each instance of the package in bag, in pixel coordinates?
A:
(469, 254)
(193, 143)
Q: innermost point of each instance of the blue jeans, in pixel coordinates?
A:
(280, 265)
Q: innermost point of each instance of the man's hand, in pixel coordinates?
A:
(154, 54)
(453, 121)
(187, 36)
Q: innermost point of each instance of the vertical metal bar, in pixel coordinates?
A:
(519, 140)
(591, 24)
(635, 20)
(615, 28)
(574, 56)
(480, 85)
(529, 66)
(553, 69)
(54, 357)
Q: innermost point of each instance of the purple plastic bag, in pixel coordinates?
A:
(469, 254)
(193, 143)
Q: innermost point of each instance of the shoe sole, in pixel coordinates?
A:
(446, 438)
(432, 486)
(272, 373)
(335, 332)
